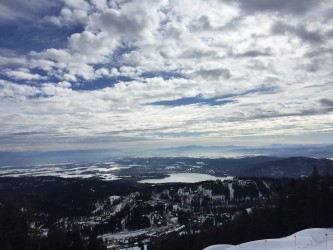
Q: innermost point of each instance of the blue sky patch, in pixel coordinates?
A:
(215, 101)
(28, 37)
(100, 83)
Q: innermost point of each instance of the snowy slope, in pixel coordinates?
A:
(309, 239)
(218, 247)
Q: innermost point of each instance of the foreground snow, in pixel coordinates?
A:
(309, 239)
(218, 247)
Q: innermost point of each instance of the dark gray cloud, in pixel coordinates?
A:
(261, 113)
(213, 74)
(295, 7)
(319, 52)
(326, 102)
(201, 23)
(264, 113)
(255, 64)
(315, 64)
(197, 53)
(329, 33)
(328, 14)
(300, 31)
(254, 53)
(325, 85)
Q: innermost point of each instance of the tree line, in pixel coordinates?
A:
(18, 232)
(299, 204)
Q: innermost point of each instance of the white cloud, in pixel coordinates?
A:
(12, 60)
(93, 45)
(22, 74)
(255, 59)
(102, 72)
(16, 91)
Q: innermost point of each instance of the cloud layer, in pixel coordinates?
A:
(122, 73)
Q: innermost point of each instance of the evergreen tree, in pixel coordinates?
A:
(14, 227)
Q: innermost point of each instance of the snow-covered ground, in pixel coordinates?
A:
(65, 171)
(218, 247)
(123, 235)
(309, 239)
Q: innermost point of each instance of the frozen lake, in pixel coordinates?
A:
(185, 178)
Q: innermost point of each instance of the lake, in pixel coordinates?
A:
(185, 178)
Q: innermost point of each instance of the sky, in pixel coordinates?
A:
(78, 74)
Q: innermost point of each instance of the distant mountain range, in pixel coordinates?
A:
(56, 157)
(251, 166)
(288, 167)
(278, 150)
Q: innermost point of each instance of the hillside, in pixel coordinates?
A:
(293, 167)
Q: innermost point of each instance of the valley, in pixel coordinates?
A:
(143, 202)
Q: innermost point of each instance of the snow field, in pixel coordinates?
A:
(308, 239)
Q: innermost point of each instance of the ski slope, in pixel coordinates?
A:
(309, 239)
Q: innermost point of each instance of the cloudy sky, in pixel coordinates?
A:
(89, 74)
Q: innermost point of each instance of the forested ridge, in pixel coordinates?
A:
(300, 204)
